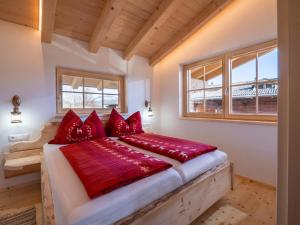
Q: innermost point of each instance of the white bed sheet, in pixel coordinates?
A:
(73, 206)
(192, 168)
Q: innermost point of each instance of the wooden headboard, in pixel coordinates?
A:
(48, 132)
(25, 157)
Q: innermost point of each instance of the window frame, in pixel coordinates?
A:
(86, 74)
(226, 87)
(185, 89)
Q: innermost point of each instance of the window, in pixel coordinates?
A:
(238, 85)
(86, 91)
(205, 87)
(253, 85)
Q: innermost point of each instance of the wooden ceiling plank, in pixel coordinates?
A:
(197, 22)
(110, 12)
(48, 19)
(23, 12)
(160, 15)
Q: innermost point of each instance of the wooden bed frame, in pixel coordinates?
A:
(179, 207)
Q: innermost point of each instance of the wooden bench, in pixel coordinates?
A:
(22, 162)
(25, 157)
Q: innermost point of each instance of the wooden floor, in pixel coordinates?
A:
(21, 196)
(254, 199)
(17, 199)
(251, 203)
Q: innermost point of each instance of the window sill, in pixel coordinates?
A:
(254, 122)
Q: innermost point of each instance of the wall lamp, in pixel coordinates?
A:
(148, 104)
(16, 114)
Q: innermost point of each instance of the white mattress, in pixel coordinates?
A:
(192, 168)
(199, 165)
(73, 206)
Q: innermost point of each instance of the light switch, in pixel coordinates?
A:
(18, 137)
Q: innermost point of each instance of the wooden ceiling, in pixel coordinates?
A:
(23, 12)
(149, 28)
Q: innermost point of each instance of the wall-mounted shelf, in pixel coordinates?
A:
(22, 162)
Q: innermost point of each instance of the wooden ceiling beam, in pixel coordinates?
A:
(214, 73)
(158, 17)
(198, 74)
(109, 13)
(48, 19)
(197, 22)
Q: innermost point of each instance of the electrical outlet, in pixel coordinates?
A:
(18, 137)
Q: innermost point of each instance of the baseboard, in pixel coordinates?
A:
(256, 181)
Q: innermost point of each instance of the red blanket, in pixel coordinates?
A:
(179, 149)
(104, 165)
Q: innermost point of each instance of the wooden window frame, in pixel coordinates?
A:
(86, 74)
(185, 89)
(226, 101)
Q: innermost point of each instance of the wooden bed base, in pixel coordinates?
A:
(179, 207)
(185, 204)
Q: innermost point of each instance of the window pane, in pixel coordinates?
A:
(243, 99)
(210, 75)
(93, 100)
(111, 101)
(213, 100)
(196, 78)
(111, 87)
(196, 101)
(72, 83)
(267, 65)
(214, 75)
(243, 69)
(267, 98)
(72, 100)
(92, 85)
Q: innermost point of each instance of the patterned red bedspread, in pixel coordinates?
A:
(104, 165)
(179, 149)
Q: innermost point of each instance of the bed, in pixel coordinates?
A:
(74, 207)
(185, 190)
(193, 168)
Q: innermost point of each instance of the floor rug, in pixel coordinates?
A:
(225, 215)
(23, 216)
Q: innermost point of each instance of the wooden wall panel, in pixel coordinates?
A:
(288, 113)
(23, 12)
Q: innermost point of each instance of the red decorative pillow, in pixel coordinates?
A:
(118, 126)
(72, 129)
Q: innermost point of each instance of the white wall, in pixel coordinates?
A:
(252, 148)
(27, 68)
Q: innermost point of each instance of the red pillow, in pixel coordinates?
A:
(118, 126)
(72, 129)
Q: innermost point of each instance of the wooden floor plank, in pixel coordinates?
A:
(255, 199)
(21, 196)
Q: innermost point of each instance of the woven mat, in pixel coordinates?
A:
(225, 215)
(23, 216)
